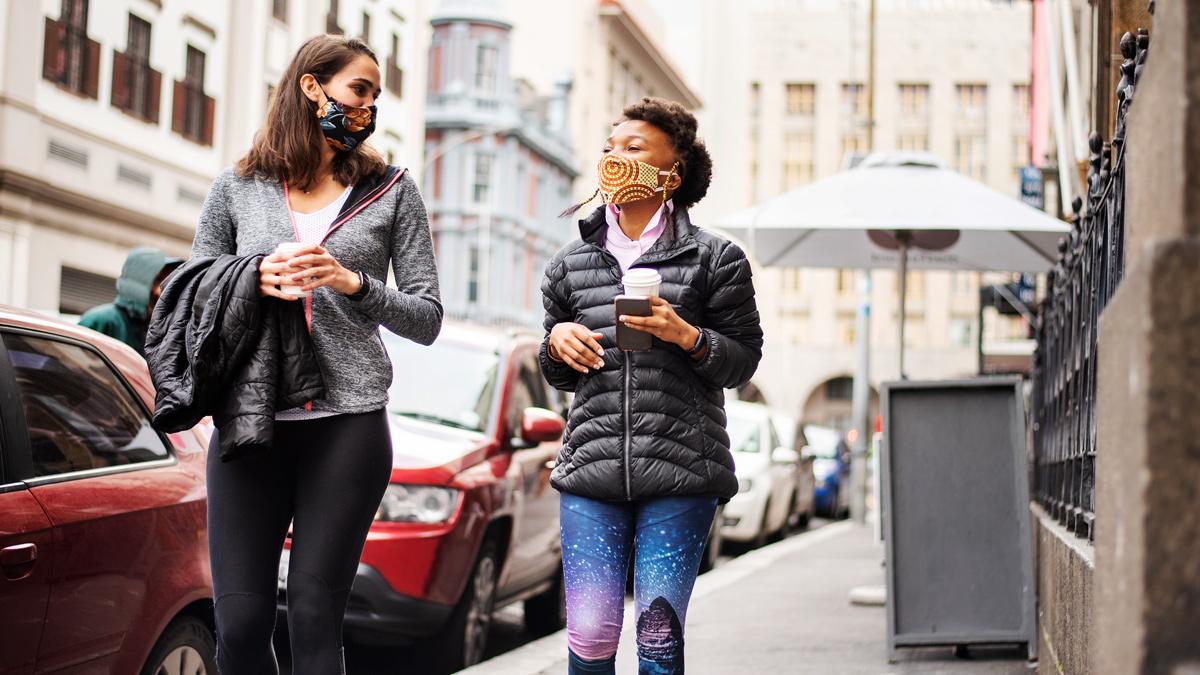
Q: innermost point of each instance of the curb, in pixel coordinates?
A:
(551, 650)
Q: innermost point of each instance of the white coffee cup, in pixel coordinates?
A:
(289, 248)
(642, 282)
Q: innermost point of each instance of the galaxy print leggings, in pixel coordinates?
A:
(667, 537)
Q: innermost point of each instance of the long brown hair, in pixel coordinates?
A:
(288, 147)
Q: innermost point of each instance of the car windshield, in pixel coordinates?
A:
(449, 384)
(822, 441)
(743, 432)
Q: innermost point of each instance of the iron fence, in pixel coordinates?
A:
(1091, 262)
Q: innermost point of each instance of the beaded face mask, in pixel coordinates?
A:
(624, 179)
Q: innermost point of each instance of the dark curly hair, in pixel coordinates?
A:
(680, 125)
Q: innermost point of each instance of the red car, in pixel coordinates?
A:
(103, 547)
(469, 523)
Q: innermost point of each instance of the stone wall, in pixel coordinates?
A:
(1066, 568)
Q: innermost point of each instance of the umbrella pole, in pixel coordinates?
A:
(903, 296)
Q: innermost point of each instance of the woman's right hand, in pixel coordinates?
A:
(576, 346)
(271, 273)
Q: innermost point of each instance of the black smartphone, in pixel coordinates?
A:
(632, 339)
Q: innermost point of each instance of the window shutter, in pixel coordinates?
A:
(154, 93)
(54, 56)
(178, 99)
(91, 82)
(210, 108)
(121, 96)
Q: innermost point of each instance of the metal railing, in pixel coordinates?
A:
(1090, 267)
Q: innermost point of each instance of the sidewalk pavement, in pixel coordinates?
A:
(782, 609)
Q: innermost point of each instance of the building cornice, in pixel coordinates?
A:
(46, 194)
(617, 12)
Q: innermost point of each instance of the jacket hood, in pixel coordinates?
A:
(137, 277)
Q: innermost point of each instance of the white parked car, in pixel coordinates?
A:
(805, 508)
(766, 473)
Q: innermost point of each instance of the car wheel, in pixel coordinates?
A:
(187, 647)
(547, 613)
(712, 547)
(464, 638)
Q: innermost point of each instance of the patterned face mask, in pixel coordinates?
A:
(345, 127)
(624, 179)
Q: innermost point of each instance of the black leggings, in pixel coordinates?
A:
(326, 476)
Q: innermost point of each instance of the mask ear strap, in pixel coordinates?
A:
(670, 174)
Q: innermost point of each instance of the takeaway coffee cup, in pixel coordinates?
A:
(641, 282)
(290, 248)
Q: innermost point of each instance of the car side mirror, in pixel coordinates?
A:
(539, 425)
(785, 456)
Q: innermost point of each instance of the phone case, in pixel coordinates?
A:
(632, 339)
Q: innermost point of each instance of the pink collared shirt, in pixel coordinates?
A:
(627, 250)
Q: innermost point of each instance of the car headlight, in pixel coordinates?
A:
(417, 504)
(744, 484)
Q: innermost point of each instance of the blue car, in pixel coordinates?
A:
(831, 469)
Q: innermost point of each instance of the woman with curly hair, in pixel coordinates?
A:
(646, 458)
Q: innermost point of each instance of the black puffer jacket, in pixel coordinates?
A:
(652, 424)
(216, 347)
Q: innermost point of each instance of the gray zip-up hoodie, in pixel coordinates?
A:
(245, 216)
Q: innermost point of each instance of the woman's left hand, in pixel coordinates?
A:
(664, 324)
(321, 269)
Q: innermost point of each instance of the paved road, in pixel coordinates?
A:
(508, 633)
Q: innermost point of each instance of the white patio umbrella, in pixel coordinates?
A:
(901, 210)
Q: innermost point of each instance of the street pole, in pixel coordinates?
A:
(861, 403)
(861, 412)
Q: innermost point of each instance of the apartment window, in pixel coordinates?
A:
(914, 101)
(971, 102)
(791, 280)
(853, 143)
(366, 28)
(1020, 155)
(845, 282)
(753, 178)
(797, 160)
(846, 332)
(914, 142)
(394, 77)
(755, 99)
(914, 290)
(279, 9)
(135, 85)
(193, 111)
(961, 331)
(800, 98)
(473, 274)
(854, 102)
(486, 61)
(69, 58)
(970, 156)
(482, 185)
(1021, 103)
(331, 19)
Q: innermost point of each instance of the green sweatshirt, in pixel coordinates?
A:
(126, 317)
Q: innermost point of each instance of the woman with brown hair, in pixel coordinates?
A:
(310, 184)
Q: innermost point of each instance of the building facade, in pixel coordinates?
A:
(612, 51)
(787, 105)
(116, 115)
(498, 169)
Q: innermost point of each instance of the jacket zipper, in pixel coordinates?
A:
(628, 431)
(363, 203)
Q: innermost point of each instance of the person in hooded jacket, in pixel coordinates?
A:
(310, 181)
(645, 458)
(127, 317)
